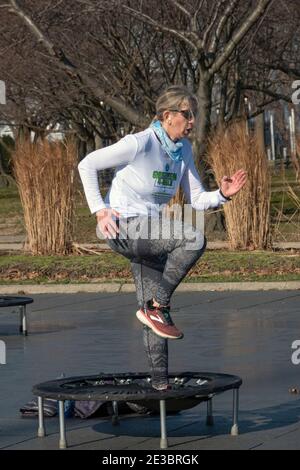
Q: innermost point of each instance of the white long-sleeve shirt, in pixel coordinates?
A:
(145, 177)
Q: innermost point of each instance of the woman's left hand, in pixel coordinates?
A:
(232, 185)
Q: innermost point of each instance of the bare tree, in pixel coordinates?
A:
(204, 42)
(106, 69)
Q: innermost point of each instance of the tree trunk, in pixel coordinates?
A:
(204, 124)
(21, 133)
(223, 99)
(5, 179)
(90, 144)
(81, 146)
(260, 132)
(238, 109)
(98, 142)
(85, 144)
(204, 95)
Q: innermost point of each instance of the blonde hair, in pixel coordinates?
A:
(172, 98)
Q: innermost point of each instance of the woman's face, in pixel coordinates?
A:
(178, 123)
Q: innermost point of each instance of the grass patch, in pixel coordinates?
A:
(10, 204)
(214, 266)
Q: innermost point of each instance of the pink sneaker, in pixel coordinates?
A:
(159, 320)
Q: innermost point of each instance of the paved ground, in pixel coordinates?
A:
(245, 333)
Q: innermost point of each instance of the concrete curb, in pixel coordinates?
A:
(7, 245)
(19, 289)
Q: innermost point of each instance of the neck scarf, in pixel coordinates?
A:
(173, 149)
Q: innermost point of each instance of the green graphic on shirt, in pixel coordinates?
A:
(163, 178)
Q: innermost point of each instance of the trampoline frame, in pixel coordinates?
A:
(21, 302)
(219, 383)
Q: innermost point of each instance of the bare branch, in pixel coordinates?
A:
(268, 92)
(237, 37)
(200, 5)
(194, 24)
(261, 107)
(285, 69)
(223, 20)
(14, 8)
(117, 104)
(181, 8)
(51, 6)
(212, 23)
(159, 27)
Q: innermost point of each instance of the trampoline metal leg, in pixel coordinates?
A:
(235, 427)
(163, 427)
(115, 416)
(23, 322)
(21, 319)
(41, 428)
(209, 416)
(62, 427)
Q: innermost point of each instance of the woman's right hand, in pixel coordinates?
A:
(106, 222)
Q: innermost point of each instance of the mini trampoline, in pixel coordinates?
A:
(188, 389)
(21, 302)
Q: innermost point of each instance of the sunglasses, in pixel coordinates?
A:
(186, 113)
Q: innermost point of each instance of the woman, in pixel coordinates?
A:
(150, 166)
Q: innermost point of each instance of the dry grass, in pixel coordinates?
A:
(294, 196)
(290, 219)
(44, 173)
(248, 214)
(296, 159)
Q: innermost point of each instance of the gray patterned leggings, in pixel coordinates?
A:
(158, 265)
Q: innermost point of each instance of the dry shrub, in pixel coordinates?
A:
(177, 201)
(294, 196)
(296, 159)
(44, 173)
(248, 214)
